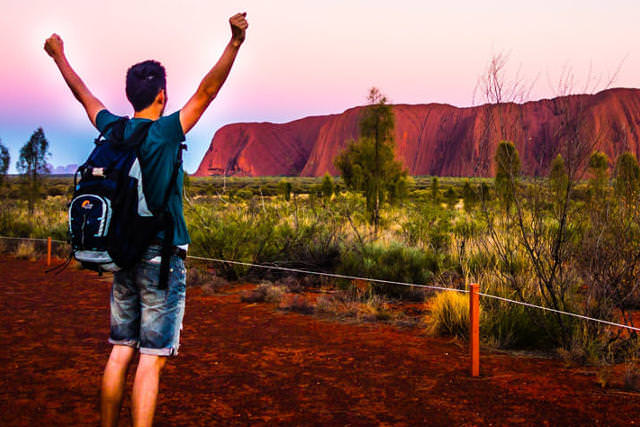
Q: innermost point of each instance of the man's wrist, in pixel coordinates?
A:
(59, 59)
(234, 43)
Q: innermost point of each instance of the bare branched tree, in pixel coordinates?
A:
(534, 223)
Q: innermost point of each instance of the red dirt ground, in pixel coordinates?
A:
(250, 364)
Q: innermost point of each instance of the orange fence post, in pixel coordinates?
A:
(474, 332)
(48, 251)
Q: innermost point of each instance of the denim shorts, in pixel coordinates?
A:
(144, 316)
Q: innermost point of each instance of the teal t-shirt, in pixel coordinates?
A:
(158, 155)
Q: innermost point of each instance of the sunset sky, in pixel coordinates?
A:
(300, 58)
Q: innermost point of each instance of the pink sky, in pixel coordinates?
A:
(300, 58)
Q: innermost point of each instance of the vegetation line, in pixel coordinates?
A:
(389, 282)
(579, 316)
(32, 239)
(334, 275)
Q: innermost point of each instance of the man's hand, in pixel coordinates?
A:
(54, 46)
(215, 78)
(92, 105)
(239, 27)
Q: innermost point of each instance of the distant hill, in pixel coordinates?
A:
(63, 170)
(431, 139)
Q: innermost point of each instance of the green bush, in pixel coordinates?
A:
(264, 233)
(394, 262)
(510, 325)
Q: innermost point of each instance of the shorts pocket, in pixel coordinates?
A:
(153, 255)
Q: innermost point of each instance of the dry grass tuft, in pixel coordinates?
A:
(355, 305)
(208, 282)
(26, 250)
(265, 292)
(292, 284)
(298, 304)
(449, 314)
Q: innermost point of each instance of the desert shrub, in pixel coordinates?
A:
(428, 226)
(291, 284)
(265, 232)
(513, 326)
(59, 190)
(480, 261)
(274, 294)
(449, 314)
(354, 304)
(298, 304)
(308, 243)
(208, 282)
(231, 235)
(394, 262)
(244, 193)
(49, 218)
(265, 292)
(26, 250)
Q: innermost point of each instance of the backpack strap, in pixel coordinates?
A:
(167, 222)
(135, 139)
(117, 134)
(117, 127)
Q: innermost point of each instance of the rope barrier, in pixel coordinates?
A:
(386, 282)
(566, 313)
(32, 239)
(341, 276)
(337, 276)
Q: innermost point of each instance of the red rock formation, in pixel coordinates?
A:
(434, 139)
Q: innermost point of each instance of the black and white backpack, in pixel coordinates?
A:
(110, 223)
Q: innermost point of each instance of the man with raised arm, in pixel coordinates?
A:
(143, 316)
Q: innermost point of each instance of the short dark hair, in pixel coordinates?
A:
(144, 82)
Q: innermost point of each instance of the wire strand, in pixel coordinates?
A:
(318, 273)
(566, 313)
(32, 239)
(386, 282)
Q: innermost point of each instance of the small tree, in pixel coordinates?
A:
(32, 163)
(285, 189)
(435, 191)
(368, 165)
(558, 178)
(507, 171)
(327, 186)
(599, 169)
(451, 197)
(469, 196)
(627, 177)
(5, 158)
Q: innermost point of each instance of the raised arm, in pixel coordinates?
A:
(55, 49)
(213, 81)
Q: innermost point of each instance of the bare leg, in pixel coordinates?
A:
(145, 389)
(113, 380)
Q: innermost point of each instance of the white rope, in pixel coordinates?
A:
(387, 282)
(341, 276)
(32, 239)
(566, 313)
(337, 276)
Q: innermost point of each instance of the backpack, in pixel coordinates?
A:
(110, 223)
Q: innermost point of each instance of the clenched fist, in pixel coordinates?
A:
(54, 46)
(239, 27)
